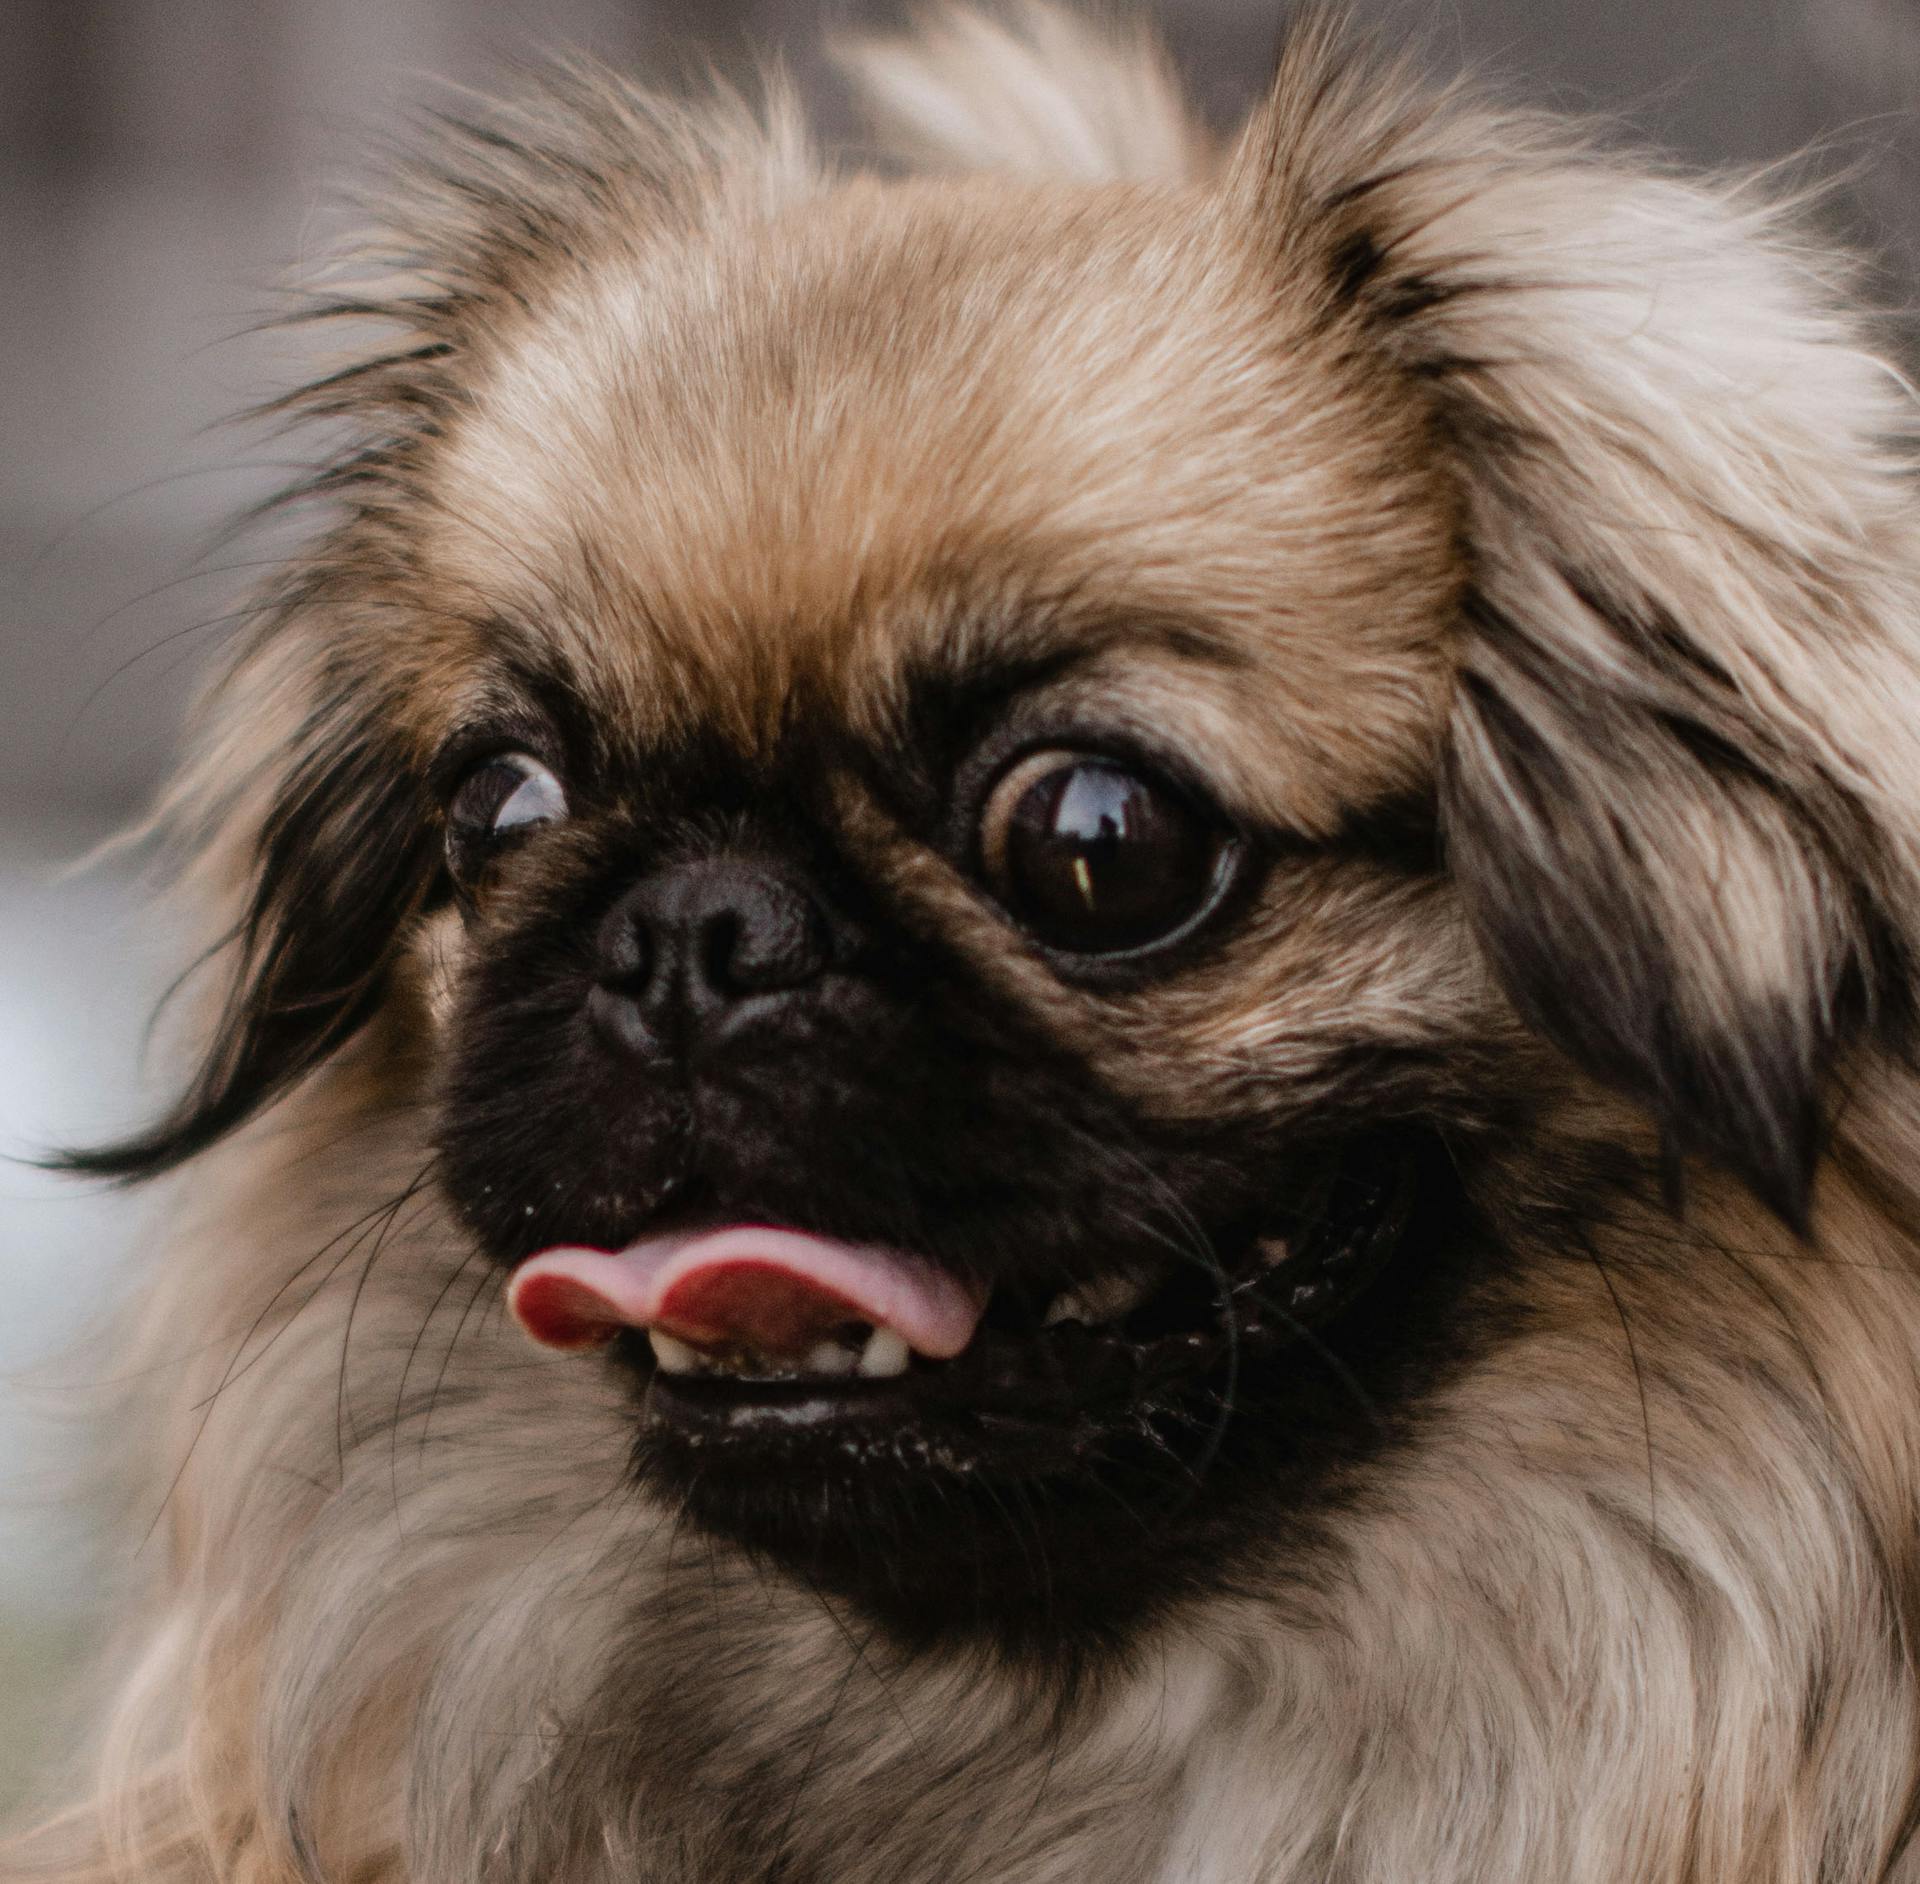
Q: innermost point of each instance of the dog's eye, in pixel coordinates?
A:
(1092, 857)
(500, 799)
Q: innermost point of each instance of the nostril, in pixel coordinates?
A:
(720, 952)
(624, 954)
(771, 937)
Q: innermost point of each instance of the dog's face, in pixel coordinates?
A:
(1026, 840)
(890, 794)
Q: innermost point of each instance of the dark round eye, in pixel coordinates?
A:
(1093, 857)
(499, 800)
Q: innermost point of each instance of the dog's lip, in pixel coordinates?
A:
(755, 1286)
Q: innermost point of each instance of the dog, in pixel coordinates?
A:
(1061, 1021)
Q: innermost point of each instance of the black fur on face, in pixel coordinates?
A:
(905, 1100)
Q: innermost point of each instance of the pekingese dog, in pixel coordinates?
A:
(1067, 1026)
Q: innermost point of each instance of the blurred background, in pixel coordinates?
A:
(162, 163)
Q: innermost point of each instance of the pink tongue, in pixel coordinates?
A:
(773, 1292)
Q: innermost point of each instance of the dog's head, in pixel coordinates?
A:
(1028, 833)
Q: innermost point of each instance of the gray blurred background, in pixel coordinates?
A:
(161, 163)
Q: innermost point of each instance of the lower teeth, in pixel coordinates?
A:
(673, 1355)
(829, 1357)
(883, 1356)
(1097, 1306)
(1097, 1303)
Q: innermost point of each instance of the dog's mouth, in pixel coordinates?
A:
(753, 1335)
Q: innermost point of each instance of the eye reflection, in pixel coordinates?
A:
(499, 801)
(537, 799)
(1092, 856)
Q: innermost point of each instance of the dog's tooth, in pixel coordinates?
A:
(885, 1354)
(1097, 1303)
(829, 1357)
(673, 1354)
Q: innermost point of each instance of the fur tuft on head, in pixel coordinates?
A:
(1032, 90)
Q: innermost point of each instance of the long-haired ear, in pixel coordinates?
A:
(320, 826)
(1681, 789)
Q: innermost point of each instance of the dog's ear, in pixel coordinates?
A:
(1697, 916)
(1679, 792)
(319, 827)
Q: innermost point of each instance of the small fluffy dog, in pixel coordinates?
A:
(1068, 1025)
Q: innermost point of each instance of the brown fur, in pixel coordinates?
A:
(1409, 453)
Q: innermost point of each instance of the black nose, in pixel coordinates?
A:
(689, 946)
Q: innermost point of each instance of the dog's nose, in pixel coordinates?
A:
(688, 946)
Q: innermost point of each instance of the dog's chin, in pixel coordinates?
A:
(1087, 1452)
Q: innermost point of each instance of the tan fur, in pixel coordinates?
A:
(1405, 424)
